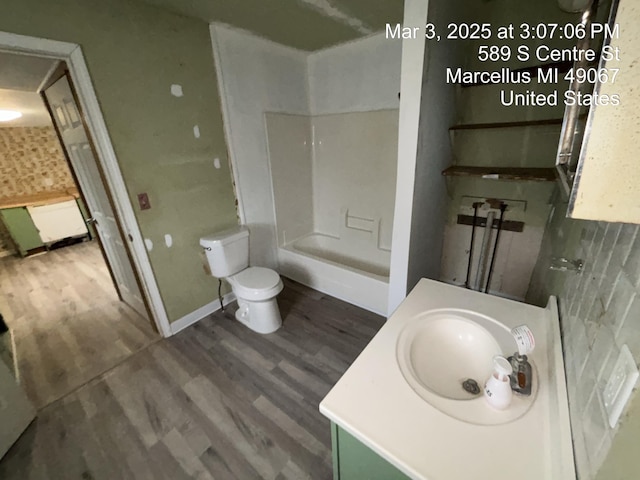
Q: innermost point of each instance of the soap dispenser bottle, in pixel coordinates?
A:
(497, 390)
(522, 376)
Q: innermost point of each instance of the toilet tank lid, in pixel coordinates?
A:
(225, 236)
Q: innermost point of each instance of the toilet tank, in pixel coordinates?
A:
(227, 251)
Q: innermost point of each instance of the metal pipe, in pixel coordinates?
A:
(503, 208)
(473, 234)
(483, 251)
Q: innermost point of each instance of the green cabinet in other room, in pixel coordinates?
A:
(23, 232)
(352, 460)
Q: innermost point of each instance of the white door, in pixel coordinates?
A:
(16, 412)
(75, 141)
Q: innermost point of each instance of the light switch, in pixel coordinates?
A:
(143, 200)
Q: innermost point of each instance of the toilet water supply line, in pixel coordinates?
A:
(220, 294)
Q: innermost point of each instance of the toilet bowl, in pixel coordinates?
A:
(255, 288)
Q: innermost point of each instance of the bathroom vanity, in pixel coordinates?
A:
(398, 413)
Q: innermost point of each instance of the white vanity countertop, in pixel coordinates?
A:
(373, 402)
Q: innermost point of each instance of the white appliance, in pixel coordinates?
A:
(58, 220)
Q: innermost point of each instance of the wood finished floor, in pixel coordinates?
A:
(215, 401)
(67, 320)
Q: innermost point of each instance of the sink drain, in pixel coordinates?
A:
(471, 386)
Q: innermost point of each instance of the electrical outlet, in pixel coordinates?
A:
(143, 200)
(620, 385)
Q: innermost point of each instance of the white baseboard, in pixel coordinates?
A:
(200, 313)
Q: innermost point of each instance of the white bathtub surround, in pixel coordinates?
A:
(374, 403)
(256, 76)
(290, 160)
(365, 257)
(354, 171)
(313, 145)
(357, 76)
(334, 188)
(327, 264)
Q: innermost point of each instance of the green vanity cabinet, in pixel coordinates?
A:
(352, 460)
(21, 228)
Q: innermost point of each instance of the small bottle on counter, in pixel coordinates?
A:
(497, 390)
(522, 376)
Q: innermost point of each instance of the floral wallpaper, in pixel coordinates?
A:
(31, 161)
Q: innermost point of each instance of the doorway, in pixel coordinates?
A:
(69, 294)
(71, 53)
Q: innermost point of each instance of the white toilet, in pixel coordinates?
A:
(255, 288)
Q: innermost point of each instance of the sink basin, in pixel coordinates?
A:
(446, 356)
(446, 350)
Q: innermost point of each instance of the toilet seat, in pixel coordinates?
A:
(256, 283)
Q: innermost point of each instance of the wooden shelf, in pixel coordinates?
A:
(529, 123)
(503, 173)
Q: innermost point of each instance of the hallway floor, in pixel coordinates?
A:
(67, 321)
(214, 401)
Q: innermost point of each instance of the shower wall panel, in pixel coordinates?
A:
(354, 172)
(289, 139)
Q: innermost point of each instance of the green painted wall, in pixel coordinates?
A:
(134, 53)
(623, 462)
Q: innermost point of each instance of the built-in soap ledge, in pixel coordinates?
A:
(361, 223)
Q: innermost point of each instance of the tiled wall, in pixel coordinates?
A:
(31, 161)
(600, 312)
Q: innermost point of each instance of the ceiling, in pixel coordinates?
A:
(302, 24)
(22, 72)
(34, 114)
(20, 77)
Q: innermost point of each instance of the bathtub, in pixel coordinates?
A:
(331, 266)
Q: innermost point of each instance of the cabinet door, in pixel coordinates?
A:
(352, 460)
(606, 186)
(22, 230)
(58, 220)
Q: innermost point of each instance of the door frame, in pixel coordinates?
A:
(71, 53)
(62, 72)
